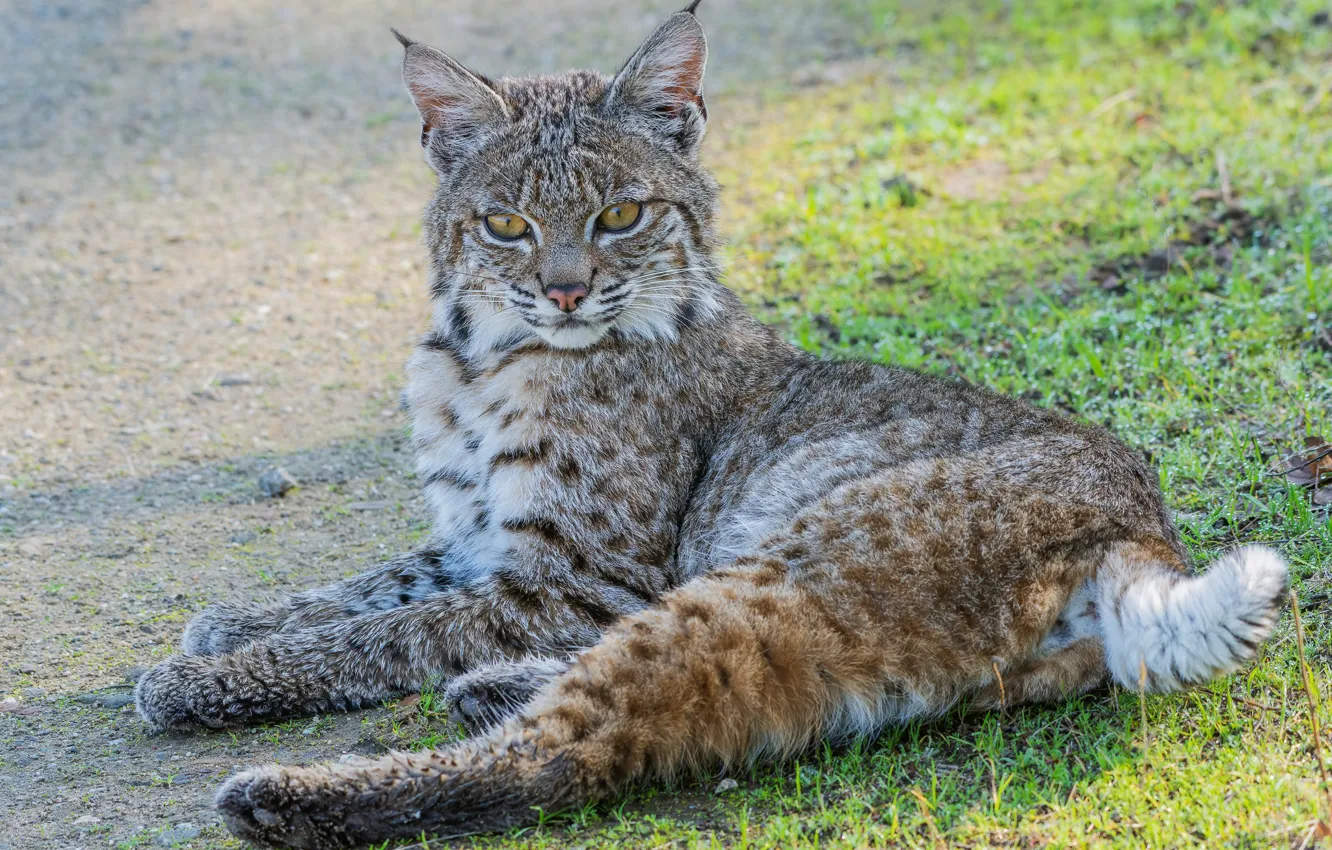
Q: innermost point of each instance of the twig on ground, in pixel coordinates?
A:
(1111, 102)
(1223, 174)
(1257, 704)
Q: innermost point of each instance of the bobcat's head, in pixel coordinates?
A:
(570, 208)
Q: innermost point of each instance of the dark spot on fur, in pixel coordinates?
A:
(450, 477)
(642, 650)
(520, 455)
(692, 608)
(460, 325)
(641, 510)
(511, 357)
(546, 529)
(764, 606)
(519, 594)
(596, 691)
(568, 469)
(780, 672)
(596, 610)
(655, 551)
(450, 346)
(686, 316)
(574, 720)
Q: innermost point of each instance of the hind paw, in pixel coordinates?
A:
(279, 807)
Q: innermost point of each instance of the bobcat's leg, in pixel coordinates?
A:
(492, 693)
(1072, 670)
(875, 606)
(227, 626)
(365, 659)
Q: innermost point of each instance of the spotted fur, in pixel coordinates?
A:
(665, 537)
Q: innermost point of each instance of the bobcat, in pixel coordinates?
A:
(664, 537)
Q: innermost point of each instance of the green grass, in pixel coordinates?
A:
(1120, 209)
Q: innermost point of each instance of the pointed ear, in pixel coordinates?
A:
(660, 88)
(458, 108)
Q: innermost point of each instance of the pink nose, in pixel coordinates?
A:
(567, 296)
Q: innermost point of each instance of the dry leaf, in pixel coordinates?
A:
(407, 707)
(1311, 467)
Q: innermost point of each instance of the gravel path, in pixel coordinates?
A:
(210, 263)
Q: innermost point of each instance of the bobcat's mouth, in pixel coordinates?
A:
(571, 332)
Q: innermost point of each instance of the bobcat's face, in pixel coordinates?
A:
(569, 208)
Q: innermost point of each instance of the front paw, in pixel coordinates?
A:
(489, 695)
(223, 628)
(180, 692)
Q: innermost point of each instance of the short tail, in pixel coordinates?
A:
(1186, 630)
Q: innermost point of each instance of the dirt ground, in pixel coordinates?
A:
(210, 263)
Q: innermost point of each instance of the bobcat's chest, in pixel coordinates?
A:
(487, 446)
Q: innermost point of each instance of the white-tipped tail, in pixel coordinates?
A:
(1187, 630)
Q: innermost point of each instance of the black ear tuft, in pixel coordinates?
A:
(407, 42)
(693, 7)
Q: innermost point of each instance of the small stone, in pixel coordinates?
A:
(33, 693)
(370, 506)
(725, 785)
(28, 669)
(86, 820)
(243, 537)
(234, 380)
(178, 834)
(276, 482)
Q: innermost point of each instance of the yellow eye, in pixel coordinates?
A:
(506, 225)
(619, 216)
